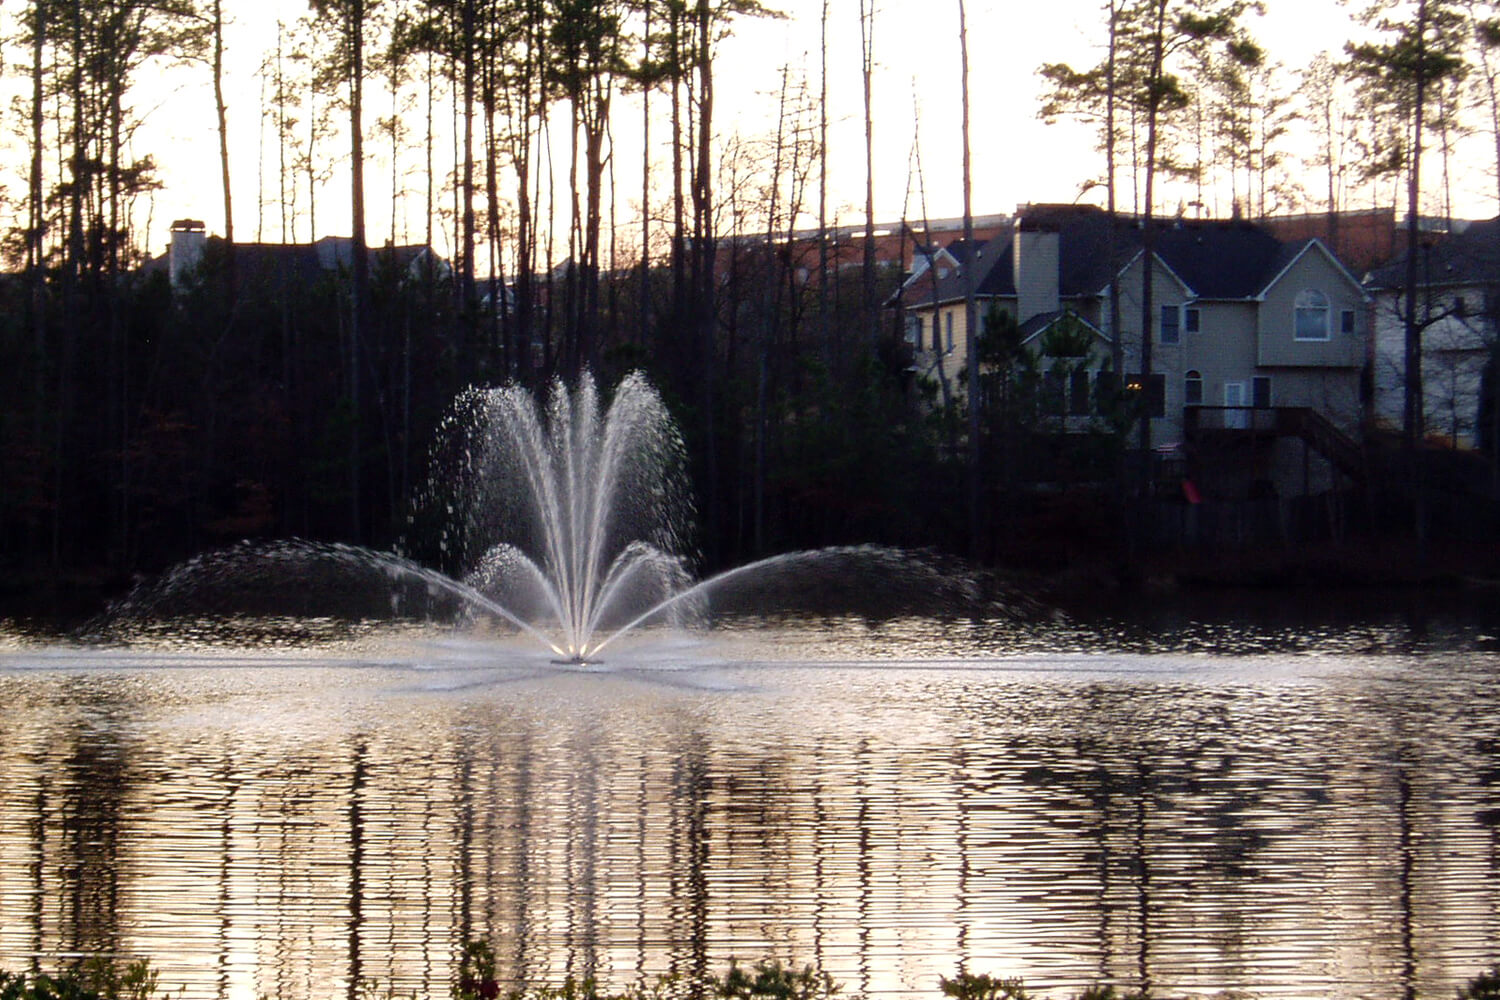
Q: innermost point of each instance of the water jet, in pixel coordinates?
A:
(560, 517)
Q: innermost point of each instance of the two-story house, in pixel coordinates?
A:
(1256, 345)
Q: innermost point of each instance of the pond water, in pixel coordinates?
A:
(1269, 804)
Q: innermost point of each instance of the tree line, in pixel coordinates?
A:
(143, 422)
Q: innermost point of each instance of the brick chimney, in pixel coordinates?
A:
(1035, 252)
(186, 250)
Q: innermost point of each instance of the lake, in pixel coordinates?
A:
(1264, 796)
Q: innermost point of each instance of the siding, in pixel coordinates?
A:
(1278, 346)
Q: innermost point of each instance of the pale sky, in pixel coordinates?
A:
(1016, 157)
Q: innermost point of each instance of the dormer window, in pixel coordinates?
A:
(1310, 317)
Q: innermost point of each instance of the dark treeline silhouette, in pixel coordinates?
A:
(171, 420)
(148, 413)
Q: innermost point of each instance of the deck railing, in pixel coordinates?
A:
(1282, 421)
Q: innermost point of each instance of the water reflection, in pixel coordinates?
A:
(287, 825)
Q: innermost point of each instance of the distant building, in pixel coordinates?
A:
(1257, 343)
(274, 264)
(1458, 281)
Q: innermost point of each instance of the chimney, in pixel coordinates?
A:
(1035, 250)
(186, 250)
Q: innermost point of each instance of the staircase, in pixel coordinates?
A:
(1323, 437)
(1219, 426)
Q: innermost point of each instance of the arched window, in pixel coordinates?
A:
(1192, 389)
(1310, 320)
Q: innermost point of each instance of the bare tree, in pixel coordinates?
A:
(868, 305)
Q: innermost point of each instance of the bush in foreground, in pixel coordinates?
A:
(103, 979)
(92, 979)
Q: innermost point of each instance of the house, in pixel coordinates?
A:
(274, 264)
(1458, 277)
(1257, 344)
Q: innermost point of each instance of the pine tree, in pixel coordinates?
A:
(1421, 47)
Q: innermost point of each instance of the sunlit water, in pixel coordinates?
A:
(1280, 810)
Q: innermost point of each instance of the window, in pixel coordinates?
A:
(1260, 392)
(1106, 392)
(1169, 330)
(1346, 321)
(1052, 393)
(1078, 393)
(1190, 319)
(949, 325)
(914, 331)
(1192, 389)
(937, 333)
(1460, 307)
(1310, 316)
(1156, 393)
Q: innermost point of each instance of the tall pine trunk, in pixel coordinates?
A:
(360, 265)
(1413, 412)
(705, 250)
(222, 116)
(867, 271)
(1148, 227)
(971, 313)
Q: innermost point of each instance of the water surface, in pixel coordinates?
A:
(1271, 808)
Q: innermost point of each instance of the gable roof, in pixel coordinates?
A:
(1042, 322)
(1296, 250)
(1213, 258)
(947, 283)
(1471, 257)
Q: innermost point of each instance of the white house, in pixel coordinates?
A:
(1458, 277)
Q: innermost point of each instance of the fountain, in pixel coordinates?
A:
(568, 518)
(563, 518)
(890, 795)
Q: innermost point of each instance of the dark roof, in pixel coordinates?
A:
(273, 262)
(1038, 323)
(991, 280)
(1471, 257)
(1223, 259)
(1084, 267)
(1042, 321)
(303, 263)
(1217, 259)
(338, 252)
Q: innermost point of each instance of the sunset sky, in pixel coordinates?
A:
(1017, 158)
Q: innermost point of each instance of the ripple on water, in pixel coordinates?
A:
(887, 800)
